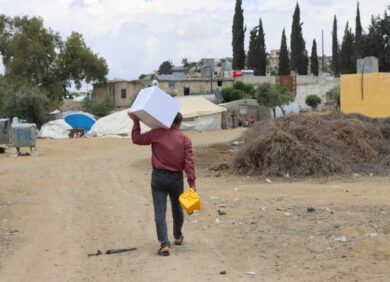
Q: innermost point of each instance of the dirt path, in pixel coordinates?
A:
(78, 196)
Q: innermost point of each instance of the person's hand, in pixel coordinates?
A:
(132, 116)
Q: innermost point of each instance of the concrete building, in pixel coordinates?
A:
(273, 62)
(183, 86)
(122, 92)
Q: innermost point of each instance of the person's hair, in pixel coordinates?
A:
(178, 118)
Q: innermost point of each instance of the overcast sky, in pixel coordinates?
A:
(135, 36)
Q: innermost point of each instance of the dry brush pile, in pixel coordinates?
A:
(314, 145)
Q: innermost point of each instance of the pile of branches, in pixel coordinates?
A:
(314, 145)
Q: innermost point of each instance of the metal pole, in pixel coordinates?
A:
(323, 56)
(212, 70)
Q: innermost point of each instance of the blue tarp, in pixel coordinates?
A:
(80, 121)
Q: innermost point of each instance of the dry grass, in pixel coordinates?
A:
(313, 145)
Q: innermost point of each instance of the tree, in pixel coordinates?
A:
(299, 57)
(313, 101)
(78, 63)
(284, 61)
(334, 95)
(261, 54)
(314, 59)
(359, 38)
(347, 63)
(335, 50)
(273, 97)
(99, 108)
(165, 68)
(251, 63)
(36, 55)
(378, 41)
(28, 102)
(238, 32)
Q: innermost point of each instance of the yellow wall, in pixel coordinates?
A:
(376, 94)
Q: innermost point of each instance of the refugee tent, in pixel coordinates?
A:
(199, 113)
(55, 129)
(117, 123)
(80, 120)
(243, 109)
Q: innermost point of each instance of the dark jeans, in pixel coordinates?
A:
(166, 183)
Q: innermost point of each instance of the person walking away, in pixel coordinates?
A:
(171, 155)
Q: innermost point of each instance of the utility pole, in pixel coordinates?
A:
(212, 72)
(323, 56)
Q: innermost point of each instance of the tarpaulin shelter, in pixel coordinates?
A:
(199, 113)
(80, 120)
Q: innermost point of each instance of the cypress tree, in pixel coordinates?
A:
(314, 59)
(359, 44)
(335, 50)
(347, 63)
(284, 61)
(358, 27)
(304, 62)
(252, 49)
(299, 58)
(238, 31)
(261, 54)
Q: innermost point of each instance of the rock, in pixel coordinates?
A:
(221, 212)
(341, 239)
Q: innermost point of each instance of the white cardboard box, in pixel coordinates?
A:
(155, 108)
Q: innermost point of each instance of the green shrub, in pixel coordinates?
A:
(237, 94)
(313, 101)
(99, 108)
(334, 95)
(27, 103)
(240, 85)
(226, 94)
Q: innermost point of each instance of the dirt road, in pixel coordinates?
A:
(81, 195)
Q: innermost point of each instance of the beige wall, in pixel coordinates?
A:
(113, 90)
(196, 86)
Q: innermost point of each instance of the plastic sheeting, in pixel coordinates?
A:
(202, 123)
(56, 129)
(200, 114)
(80, 120)
(117, 123)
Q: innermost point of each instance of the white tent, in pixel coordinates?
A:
(55, 129)
(117, 123)
(199, 113)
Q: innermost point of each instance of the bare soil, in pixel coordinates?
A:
(80, 195)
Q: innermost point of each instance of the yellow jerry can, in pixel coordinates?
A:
(190, 201)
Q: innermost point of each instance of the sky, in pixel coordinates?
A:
(136, 36)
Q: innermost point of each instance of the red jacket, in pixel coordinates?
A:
(171, 149)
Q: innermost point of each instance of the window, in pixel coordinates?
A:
(219, 83)
(123, 94)
(172, 84)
